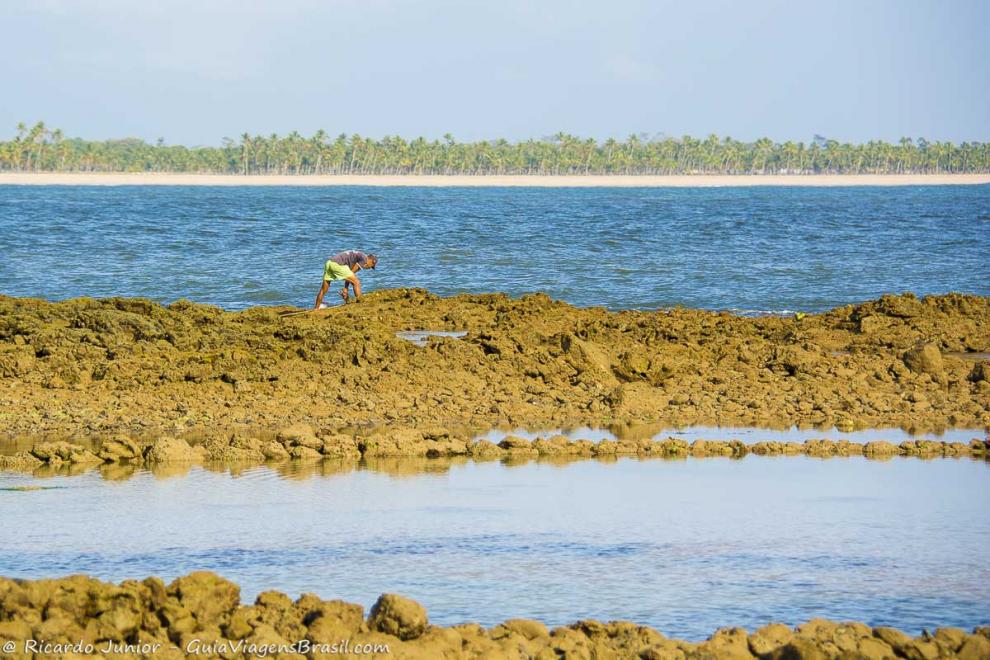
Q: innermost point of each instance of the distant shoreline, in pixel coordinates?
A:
(479, 181)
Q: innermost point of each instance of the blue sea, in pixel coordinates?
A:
(751, 250)
(685, 546)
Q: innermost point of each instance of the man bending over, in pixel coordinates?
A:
(343, 266)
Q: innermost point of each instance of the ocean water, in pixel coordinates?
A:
(753, 250)
(684, 546)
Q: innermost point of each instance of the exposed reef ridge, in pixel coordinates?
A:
(201, 614)
(301, 444)
(86, 367)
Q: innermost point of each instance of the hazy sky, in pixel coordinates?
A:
(194, 71)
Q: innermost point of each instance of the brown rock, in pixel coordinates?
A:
(242, 622)
(637, 400)
(395, 442)
(446, 447)
(60, 630)
(585, 356)
(924, 359)
(273, 451)
(173, 450)
(436, 644)
(265, 635)
(526, 627)
(14, 630)
(333, 620)
(274, 601)
(22, 460)
(980, 373)
(666, 650)
(401, 617)
(118, 448)
(298, 434)
(581, 448)
(799, 648)
(67, 452)
(880, 448)
(207, 596)
(729, 643)
(793, 360)
(483, 449)
(235, 450)
(893, 638)
(606, 448)
(514, 445)
(555, 446)
(920, 649)
(871, 648)
(975, 647)
(567, 643)
(304, 453)
(872, 324)
(278, 611)
(769, 637)
(340, 446)
(950, 638)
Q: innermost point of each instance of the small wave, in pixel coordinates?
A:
(761, 312)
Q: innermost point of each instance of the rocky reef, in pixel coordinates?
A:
(201, 615)
(100, 368)
(300, 445)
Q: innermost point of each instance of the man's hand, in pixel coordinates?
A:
(344, 295)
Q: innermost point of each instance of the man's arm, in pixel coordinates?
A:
(319, 296)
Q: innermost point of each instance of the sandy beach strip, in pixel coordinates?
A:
(467, 181)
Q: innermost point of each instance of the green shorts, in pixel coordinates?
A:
(332, 271)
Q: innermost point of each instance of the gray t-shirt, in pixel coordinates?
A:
(350, 258)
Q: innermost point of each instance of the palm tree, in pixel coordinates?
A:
(38, 148)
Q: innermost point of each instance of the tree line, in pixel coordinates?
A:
(40, 149)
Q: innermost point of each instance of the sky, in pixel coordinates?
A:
(195, 71)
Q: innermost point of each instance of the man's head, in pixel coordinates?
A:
(370, 262)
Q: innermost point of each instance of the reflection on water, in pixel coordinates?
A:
(301, 470)
(747, 434)
(686, 546)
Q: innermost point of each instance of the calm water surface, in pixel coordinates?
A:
(685, 546)
(747, 249)
(747, 434)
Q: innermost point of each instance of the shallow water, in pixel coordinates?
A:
(754, 250)
(422, 337)
(747, 434)
(968, 356)
(685, 546)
